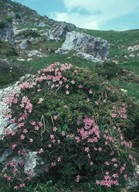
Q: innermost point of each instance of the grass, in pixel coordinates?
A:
(131, 87)
(10, 72)
(6, 50)
(132, 65)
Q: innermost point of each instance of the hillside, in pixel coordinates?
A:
(25, 37)
(96, 88)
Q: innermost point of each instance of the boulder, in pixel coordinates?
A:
(88, 46)
(59, 30)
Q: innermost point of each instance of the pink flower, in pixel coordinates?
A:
(114, 160)
(77, 139)
(22, 137)
(63, 133)
(80, 86)
(53, 164)
(107, 172)
(14, 146)
(73, 82)
(54, 129)
(52, 136)
(78, 178)
(87, 149)
(22, 185)
(60, 82)
(21, 163)
(64, 79)
(116, 165)
(106, 163)
(33, 123)
(25, 130)
(21, 125)
(55, 117)
(31, 140)
(37, 128)
(90, 91)
(16, 187)
(113, 115)
(67, 92)
(67, 86)
(41, 150)
(14, 171)
(59, 159)
(40, 123)
(50, 145)
(91, 163)
(115, 175)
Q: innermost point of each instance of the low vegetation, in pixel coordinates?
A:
(78, 124)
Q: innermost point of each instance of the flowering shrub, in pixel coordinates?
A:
(73, 120)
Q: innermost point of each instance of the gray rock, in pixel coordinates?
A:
(88, 57)
(59, 31)
(33, 53)
(7, 33)
(24, 44)
(86, 45)
(133, 48)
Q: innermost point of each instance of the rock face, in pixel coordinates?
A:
(59, 31)
(7, 33)
(86, 45)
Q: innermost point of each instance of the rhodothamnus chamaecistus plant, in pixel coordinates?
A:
(73, 120)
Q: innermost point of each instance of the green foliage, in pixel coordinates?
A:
(2, 25)
(29, 33)
(6, 50)
(74, 120)
(109, 70)
(10, 72)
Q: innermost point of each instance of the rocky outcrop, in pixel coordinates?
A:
(93, 48)
(59, 30)
(7, 33)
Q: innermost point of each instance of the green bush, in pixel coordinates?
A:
(74, 120)
(109, 70)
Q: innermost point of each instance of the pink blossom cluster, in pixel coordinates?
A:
(107, 182)
(12, 97)
(52, 67)
(90, 130)
(27, 85)
(26, 104)
(119, 112)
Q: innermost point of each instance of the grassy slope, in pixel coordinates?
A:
(119, 41)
